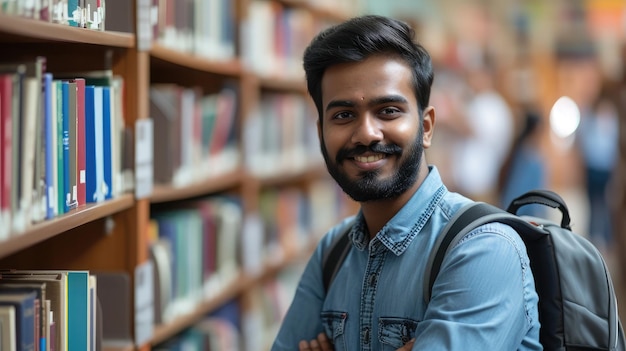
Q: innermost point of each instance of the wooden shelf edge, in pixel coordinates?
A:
(167, 193)
(48, 229)
(317, 10)
(46, 31)
(189, 60)
(302, 176)
(283, 84)
(236, 286)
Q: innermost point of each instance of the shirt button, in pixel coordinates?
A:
(367, 335)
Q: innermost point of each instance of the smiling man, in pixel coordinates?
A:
(371, 83)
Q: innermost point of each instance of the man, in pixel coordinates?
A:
(371, 84)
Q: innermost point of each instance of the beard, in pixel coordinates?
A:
(368, 186)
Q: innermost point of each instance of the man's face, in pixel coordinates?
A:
(370, 133)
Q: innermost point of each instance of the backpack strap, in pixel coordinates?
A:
(466, 219)
(336, 254)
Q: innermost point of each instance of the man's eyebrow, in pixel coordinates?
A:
(388, 99)
(377, 101)
(339, 103)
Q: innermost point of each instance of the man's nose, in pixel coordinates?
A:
(367, 130)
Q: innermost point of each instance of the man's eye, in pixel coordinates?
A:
(389, 111)
(342, 115)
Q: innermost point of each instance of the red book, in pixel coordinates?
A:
(80, 141)
(6, 111)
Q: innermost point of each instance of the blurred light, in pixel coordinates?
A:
(564, 117)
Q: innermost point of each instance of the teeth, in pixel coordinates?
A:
(368, 159)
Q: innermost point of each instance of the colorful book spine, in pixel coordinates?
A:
(99, 140)
(80, 142)
(49, 146)
(67, 190)
(107, 188)
(60, 185)
(78, 310)
(6, 113)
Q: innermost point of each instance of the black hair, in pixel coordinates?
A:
(359, 38)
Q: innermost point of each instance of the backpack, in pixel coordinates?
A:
(577, 301)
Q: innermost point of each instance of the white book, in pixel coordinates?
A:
(8, 328)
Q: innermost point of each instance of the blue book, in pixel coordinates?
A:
(67, 190)
(106, 142)
(49, 121)
(90, 144)
(167, 231)
(25, 317)
(78, 310)
(94, 167)
(99, 140)
(60, 187)
(74, 12)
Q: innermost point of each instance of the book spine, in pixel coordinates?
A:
(60, 185)
(67, 191)
(6, 112)
(80, 128)
(49, 145)
(106, 143)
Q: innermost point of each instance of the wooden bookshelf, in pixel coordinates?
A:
(45, 230)
(114, 235)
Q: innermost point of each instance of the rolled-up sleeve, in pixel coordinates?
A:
(484, 296)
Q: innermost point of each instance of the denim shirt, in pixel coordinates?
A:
(483, 298)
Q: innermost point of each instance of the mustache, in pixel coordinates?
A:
(391, 149)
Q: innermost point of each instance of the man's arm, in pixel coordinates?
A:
(484, 297)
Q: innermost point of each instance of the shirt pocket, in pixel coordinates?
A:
(393, 333)
(334, 325)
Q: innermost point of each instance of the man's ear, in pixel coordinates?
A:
(428, 126)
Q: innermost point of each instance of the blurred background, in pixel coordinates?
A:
(535, 93)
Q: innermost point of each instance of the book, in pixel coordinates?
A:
(78, 322)
(73, 142)
(13, 160)
(60, 176)
(119, 16)
(56, 292)
(107, 170)
(161, 256)
(49, 144)
(117, 130)
(165, 112)
(94, 172)
(24, 304)
(114, 293)
(32, 88)
(8, 329)
(42, 320)
(6, 120)
(99, 143)
(66, 118)
(80, 141)
(38, 206)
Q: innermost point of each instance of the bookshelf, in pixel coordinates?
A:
(116, 235)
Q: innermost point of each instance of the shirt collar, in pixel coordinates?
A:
(398, 233)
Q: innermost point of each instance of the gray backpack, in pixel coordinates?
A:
(577, 302)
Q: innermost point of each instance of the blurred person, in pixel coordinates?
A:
(598, 139)
(524, 168)
(480, 152)
(370, 83)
